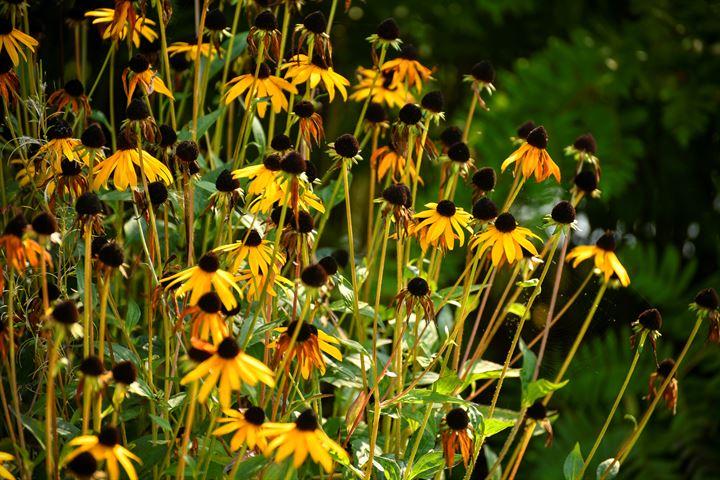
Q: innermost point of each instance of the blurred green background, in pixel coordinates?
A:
(643, 77)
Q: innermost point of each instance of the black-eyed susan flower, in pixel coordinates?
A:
(302, 437)
(300, 70)
(116, 29)
(450, 136)
(229, 366)
(14, 41)
(69, 182)
(4, 472)
(208, 322)
(107, 446)
(252, 283)
(60, 144)
(140, 72)
(73, 95)
(89, 209)
(481, 77)
(603, 253)
(440, 225)
(483, 181)
(706, 305)
(83, 466)
(562, 217)
(21, 251)
(64, 315)
(416, 292)
(538, 413)
(201, 278)
(345, 147)
(111, 257)
(93, 144)
(522, 132)
(670, 394)
(265, 85)
(265, 31)
(228, 193)
(252, 249)
(262, 176)
(407, 68)
(387, 159)
(124, 374)
(310, 123)
(455, 430)
(387, 35)
(139, 119)
(505, 239)
(647, 325)
(532, 158)
(585, 183)
(397, 199)
(311, 32)
(310, 344)
(121, 166)
(385, 90)
(583, 151)
(248, 425)
(9, 81)
(189, 51)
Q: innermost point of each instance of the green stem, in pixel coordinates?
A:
(610, 416)
(418, 439)
(358, 126)
(188, 430)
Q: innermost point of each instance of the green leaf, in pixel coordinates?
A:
(481, 370)
(528, 367)
(429, 396)
(132, 316)
(204, 122)
(161, 422)
(540, 388)
(428, 465)
(496, 425)
(573, 464)
(612, 473)
(388, 466)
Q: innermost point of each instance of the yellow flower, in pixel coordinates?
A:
(308, 349)
(506, 239)
(603, 252)
(254, 282)
(230, 367)
(12, 40)
(300, 70)
(252, 248)
(440, 225)
(262, 176)
(266, 85)
(386, 90)
(248, 426)
(302, 437)
(19, 251)
(9, 81)
(407, 67)
(4, 472)
(60, 144)
(140, 72)
(118, 30)
(388, 159)
(199, 280)
(106, 446)
(121, 165)
(207, 320)
(191, 50)
(454, 435)
(73, 94)
(532, 157)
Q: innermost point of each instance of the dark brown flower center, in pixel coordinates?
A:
(109, 436)
(607, 242)
(446, 208)
(228, 348)
(66, 312)
(306, 331)
(505, 223)
(418, 287)
(255, 415)
(210, 302)
(457, 419)
(307, 421)
(538, 137)
(209, 263)
(650, 319)
(124, 372)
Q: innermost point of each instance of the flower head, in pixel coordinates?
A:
(300, 70)
(440, 225)
(454, 434)
(201, 278)
(505, 239)
(121, 165)
(532, 158)
(231, 367)
(249, 427)
(603, 253)
(308, 348)
(107, 446)
(14, 41)
(266, 85)
(302, 437)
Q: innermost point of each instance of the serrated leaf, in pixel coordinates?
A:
(573, 464)
(611, 473)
